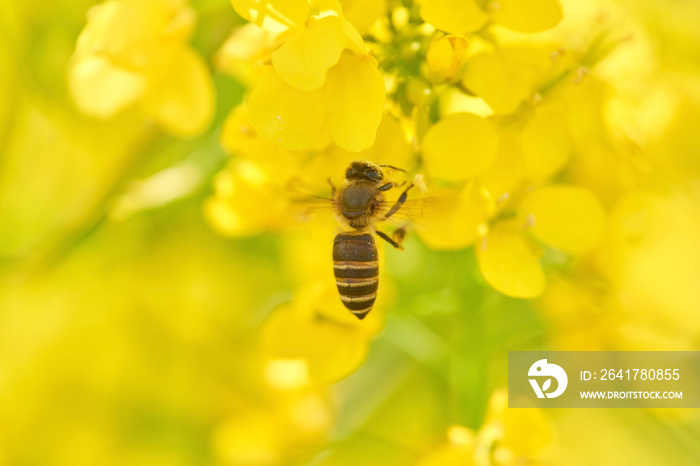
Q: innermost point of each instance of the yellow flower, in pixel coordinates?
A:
(446, 56)
(275, 16)
(317, 329)
(457, 225)
(507, 437)
(245, 53)
(503, 81)
(460, 16)
(569, 218)
(363, 13)
(459, 147)
(267, 187)
(509, 262)
(135, 52)
(506, 175)
(289, 425)
(239, 138)
(583, 314)
(545, 142)
(322, 79)
(531, 151)
(519, 435)
(457, 451)
(246, 203)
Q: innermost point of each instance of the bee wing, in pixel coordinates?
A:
(421, 211)
(308, 206)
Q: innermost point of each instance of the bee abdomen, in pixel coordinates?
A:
(356, 272)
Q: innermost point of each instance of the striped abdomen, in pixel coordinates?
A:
(356, 271)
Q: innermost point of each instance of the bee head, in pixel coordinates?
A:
(364, 170)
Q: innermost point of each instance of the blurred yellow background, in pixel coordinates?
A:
(159, 305)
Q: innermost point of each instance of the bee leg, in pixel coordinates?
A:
(399, 203)
(389, 240)
(393, 168)
(399, 235)
(330, 182)
(391, 184)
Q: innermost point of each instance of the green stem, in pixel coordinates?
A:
(468, 372)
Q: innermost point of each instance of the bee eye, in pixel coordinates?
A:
(375, 175)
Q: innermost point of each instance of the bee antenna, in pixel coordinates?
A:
(393, 168)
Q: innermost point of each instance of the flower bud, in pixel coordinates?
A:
(445, 57)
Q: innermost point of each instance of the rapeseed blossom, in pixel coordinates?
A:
(496, 150)
(323, 82)
(471, 15)
(568, 218)
(445, 57)
(507, 437)
(497, 157)
(291, 423)
(133, 52)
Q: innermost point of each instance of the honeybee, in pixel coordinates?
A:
(359, 205)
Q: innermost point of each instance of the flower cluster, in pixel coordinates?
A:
(323, 84)
(507, 437)
(482, 115)
(135, 53)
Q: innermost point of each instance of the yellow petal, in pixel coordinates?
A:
(239, 138)
(363, 13)
(449, 455)
(446, 55)
(273, 15)
(96, 32)
(354, 39)
(304, 60)
(455, 16)
(240, 189)
(526, 432)
(502, 82)
(545, 144)
(355, 94)
(391, 146)
(244, 53)
(101, 89)
(138, 30)
(132, 32)
(505, 176)
(259, 428)
(327, 7)
(509, 264)
(457, 225)
(181, 97)
(453, 100)
(332, 351)
(320, 295)
(460, 146)
(528, 15)
(286, 115)
(568, 217)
